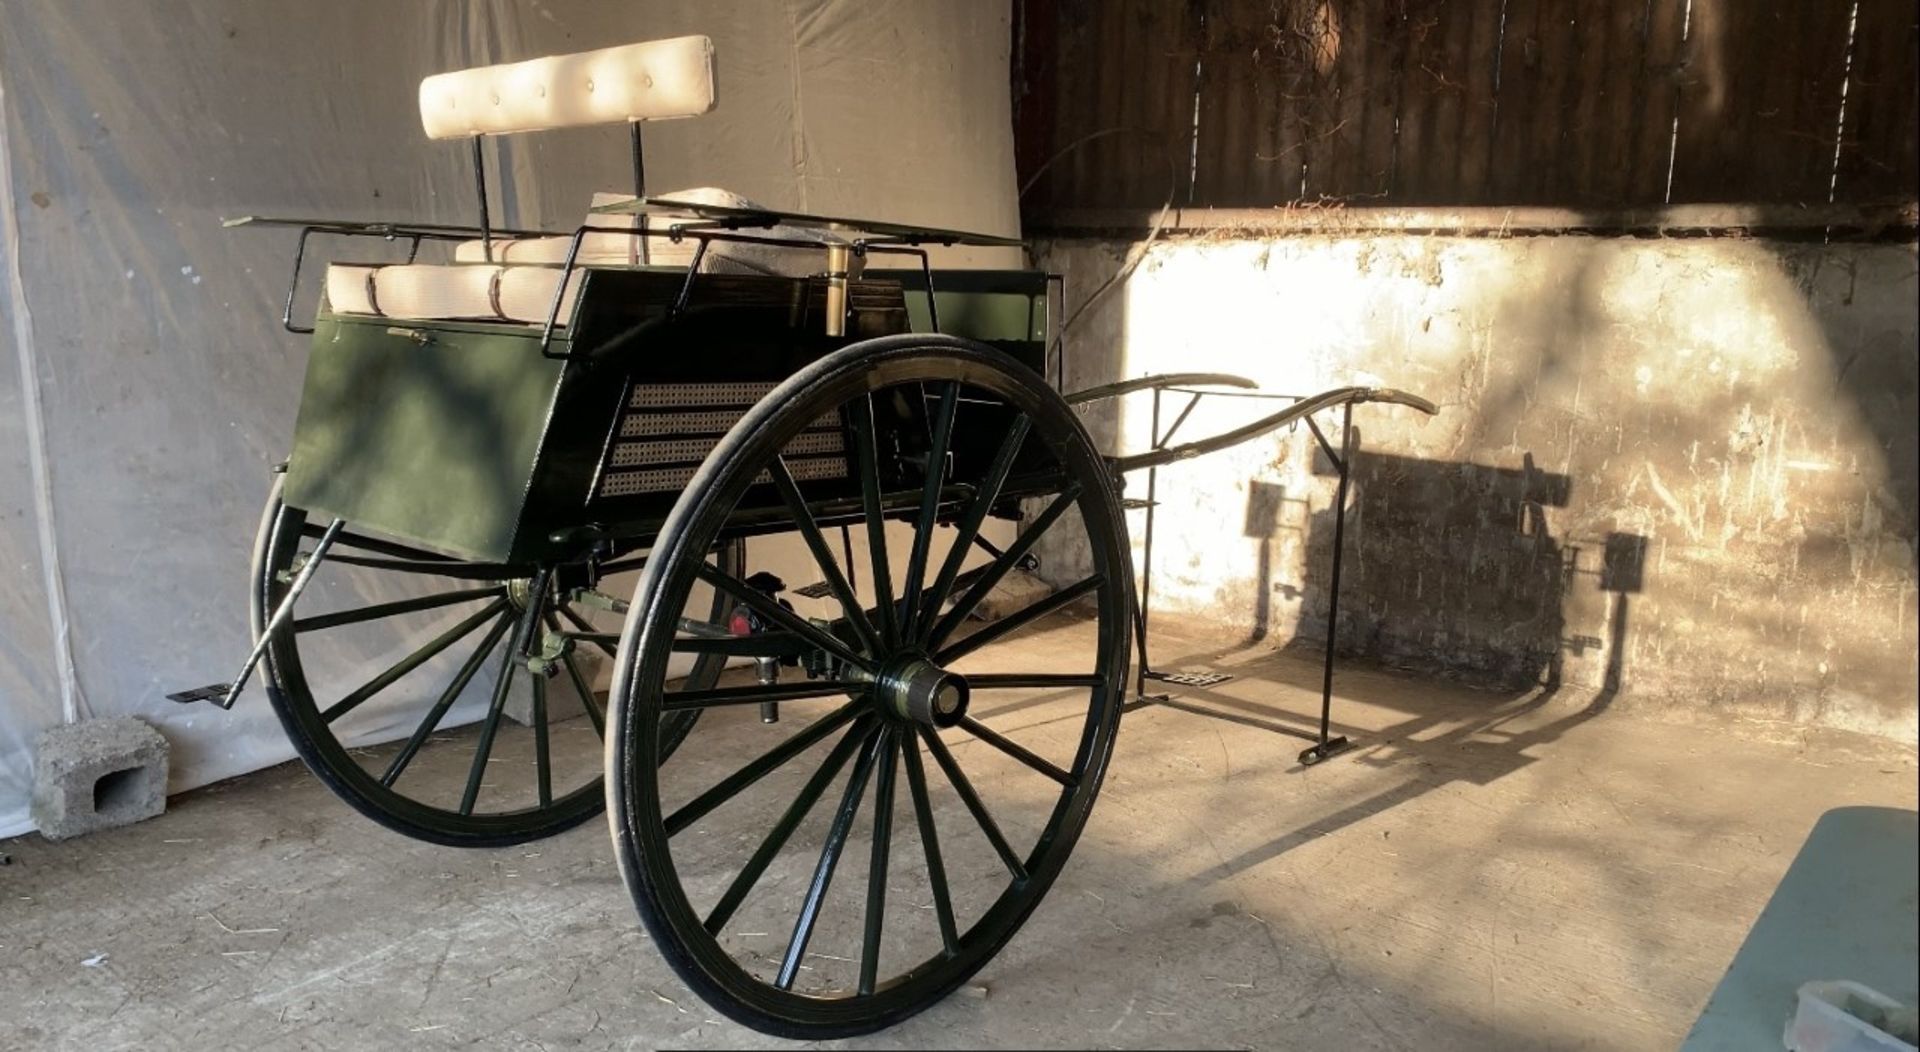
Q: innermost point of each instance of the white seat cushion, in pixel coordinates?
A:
(469, 292)
(615, 250)
(519, 282)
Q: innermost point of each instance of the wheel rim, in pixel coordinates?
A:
(910, 674)
(390, 742)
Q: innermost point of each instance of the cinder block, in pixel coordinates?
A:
(1014, 593)
(98, 774)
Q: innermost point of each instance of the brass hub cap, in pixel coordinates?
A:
(916, 689)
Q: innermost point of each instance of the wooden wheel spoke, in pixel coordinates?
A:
(732, 785)
(589, 701)
(588, 633)
(978, 809)
(1015, 622)
(412, 661)
(483, 749)
(822, 554)
(930, 846)
(1034, 680)
(438, 712)
(1002, 566)
(867, 456)
(1015, 750)
(400, 606)
(780, 615)
(708, 699)
(877, 865)
(542, 757)
(760, 644)
(859, 734)
(969, 527)
(830, 852)
(941, 442)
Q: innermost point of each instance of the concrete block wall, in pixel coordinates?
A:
(1679, 472)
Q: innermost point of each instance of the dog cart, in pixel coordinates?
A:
(556, 428)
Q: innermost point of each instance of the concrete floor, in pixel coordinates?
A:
(1484, 872)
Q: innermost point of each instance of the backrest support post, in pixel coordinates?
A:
(639, 183)
(639, 160)
(480, 191)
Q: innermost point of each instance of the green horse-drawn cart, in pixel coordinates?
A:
(494, 447)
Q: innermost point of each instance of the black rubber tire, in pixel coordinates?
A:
(634, 807)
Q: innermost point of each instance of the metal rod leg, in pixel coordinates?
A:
(480, 191)
(283, 613)
(767, 671)
(1143, 603)
(1327, 746)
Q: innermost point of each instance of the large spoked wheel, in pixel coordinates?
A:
(1001, 732)
(456, 740)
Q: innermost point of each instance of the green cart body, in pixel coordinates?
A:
(470, 439)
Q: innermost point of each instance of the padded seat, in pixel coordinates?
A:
(518, 285)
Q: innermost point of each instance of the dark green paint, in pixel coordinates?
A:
(433, 443)
(463, 438)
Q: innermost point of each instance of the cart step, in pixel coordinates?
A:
(214, 692)
(1190, 679)
(816, 590)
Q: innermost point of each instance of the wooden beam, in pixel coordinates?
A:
(1854, 221)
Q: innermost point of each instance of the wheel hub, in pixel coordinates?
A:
(916, 689)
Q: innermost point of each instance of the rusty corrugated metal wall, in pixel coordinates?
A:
(1581, 104)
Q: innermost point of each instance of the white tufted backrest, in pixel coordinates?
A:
(654, 80)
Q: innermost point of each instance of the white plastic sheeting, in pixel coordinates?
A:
(145, 383)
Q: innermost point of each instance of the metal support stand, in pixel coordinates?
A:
(1327, 743)
(480, 192)
(1143, 603)
(639, 158)
(225, 694)
(1329, 746)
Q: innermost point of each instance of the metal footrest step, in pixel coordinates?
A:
(214, 692)
(1197, 678)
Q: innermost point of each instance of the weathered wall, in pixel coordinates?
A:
(1682, 471)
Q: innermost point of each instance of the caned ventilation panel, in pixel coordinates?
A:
(668, 429)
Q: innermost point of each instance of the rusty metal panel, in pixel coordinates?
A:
(1298, 101)
(1759, 101)
(1104, 100)
(1879, 151)
(1649, 144)
(1156, 100)
(1256, 65)
(1366, 89)
(1577, 104)
(1529, 119)
(1034, 93)
(1447, 101)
